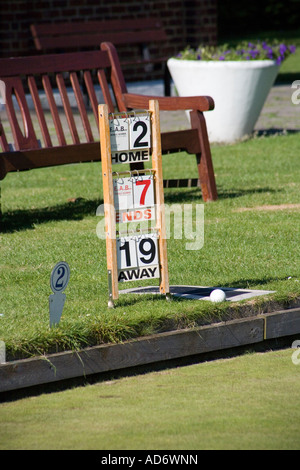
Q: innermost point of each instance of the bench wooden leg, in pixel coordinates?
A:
(205, 165)
(0, 207)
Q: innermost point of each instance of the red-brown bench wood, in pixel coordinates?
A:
(140, 33)
(22, 75)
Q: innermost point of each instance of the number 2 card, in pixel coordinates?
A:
(139, 133)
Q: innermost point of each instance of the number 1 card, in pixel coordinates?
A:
(119, 133)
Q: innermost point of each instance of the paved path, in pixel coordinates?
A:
(278, 114)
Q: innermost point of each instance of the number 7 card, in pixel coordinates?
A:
(134, 198)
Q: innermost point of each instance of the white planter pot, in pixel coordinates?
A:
(239, 89)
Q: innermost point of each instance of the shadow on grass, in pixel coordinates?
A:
(194, 195)
(275, 131)
(252, 283)
(246, 284)
(79, 208)
(287, 78)
(27, 219)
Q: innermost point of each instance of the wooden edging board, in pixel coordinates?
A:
(146, 350)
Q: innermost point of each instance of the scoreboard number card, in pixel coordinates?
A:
(143, 191)
(123, 193)
(133, 193)
(139, 132)
(119, 133)
(137, 258)
(130, 137)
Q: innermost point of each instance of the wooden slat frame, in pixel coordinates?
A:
(22, 141)
(92, 39)
(45, 29)
(53, 63)
(39, 111)
(3, 140)
(109, 210)
(105, 90)
(91, 93)
(44, 67)
(13, 71)
(64, 35)
(27, 153)
(159, 195)
(81, 107)
(108, 196)
(66, 104)
(53, 108)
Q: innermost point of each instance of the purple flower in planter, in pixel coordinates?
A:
(258, 50)
(270, 52)
(254, 53)
(282, 49)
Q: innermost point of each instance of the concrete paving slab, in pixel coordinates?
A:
(199, 292)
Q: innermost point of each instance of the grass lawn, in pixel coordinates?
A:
(251, 240)
(237, 403)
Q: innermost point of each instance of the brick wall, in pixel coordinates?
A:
(186, 21)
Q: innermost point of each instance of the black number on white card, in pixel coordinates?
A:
(138, 141)
(61, 272)
(125, 247)
(147, 251)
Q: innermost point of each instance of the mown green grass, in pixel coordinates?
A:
(245, 402)
(49, 215)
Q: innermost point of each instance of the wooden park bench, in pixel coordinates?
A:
(138, 33)
(34, 146)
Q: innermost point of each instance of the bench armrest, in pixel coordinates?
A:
(173, 103)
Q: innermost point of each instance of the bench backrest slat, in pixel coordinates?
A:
(66, 104)
(81, 107)
(67, 35)
(39, 110)
(54, 111)
(95, 39)
(71, 27)
(35, 79)
(27, 139)
(91, 93)
(31, 103)
(53, 63)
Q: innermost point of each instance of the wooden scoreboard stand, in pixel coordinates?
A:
(132, 197)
